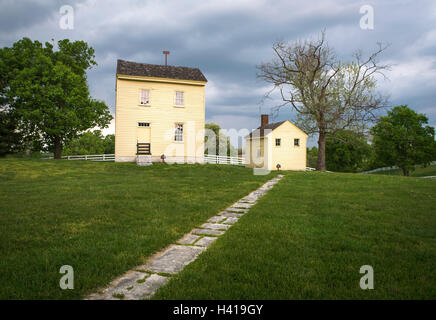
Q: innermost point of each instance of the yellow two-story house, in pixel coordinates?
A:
(159, 112)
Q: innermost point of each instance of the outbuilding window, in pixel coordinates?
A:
(296, 142)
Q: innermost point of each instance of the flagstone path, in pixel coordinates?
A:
(143, 281)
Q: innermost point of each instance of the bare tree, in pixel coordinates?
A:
(328, 94)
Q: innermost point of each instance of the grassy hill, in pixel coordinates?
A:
(101, 218)
(419, 171)
(305, 239)
(310, 235)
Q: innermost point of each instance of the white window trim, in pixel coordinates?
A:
(183, 133)
(175, 99)
(275, 142)
(140, 97)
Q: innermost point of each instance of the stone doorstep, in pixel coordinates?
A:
(215, 226)
(173, 259)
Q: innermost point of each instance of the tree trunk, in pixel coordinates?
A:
(320, 165)
(57, 148)
(405, 172)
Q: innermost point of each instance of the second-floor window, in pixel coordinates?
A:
(278, 141)
(178, 134)
(145, 97)
(180, 99)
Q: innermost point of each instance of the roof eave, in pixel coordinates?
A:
(159, 79)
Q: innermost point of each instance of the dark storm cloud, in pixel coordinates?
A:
(227, 39)
(15, 15)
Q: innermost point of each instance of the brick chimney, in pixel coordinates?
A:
(263, 120)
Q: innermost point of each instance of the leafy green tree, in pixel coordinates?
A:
(87, 143)
(91, 143)
(47, 91)
(10, 139)
(109, 144)
(312, 157)
(346, 151)
(221, 141)
(402, 138)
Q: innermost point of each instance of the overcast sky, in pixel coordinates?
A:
(227, 39)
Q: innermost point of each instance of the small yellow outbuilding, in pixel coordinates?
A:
(272, 145)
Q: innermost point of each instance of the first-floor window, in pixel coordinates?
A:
(143, 124)
(178, 136)
(297, 142)
(278, 141)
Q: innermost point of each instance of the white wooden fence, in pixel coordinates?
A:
(208, 158)
(111, 157)
(391, 168)
(91, 157)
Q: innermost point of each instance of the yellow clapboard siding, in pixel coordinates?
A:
(287, 155)
(162, 114)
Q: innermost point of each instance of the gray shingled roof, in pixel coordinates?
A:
(261, 130)
(159, 71)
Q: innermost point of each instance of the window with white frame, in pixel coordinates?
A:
(178, 134)
(180, 99)
(145, 97)
(143, 124)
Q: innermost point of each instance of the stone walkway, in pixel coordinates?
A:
(143, 281)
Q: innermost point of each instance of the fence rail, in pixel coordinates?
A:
(224, 160)
(91, 157)
(392, 168)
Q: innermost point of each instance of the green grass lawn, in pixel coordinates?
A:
(418, 172)
(100, 218)
(308, 237)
